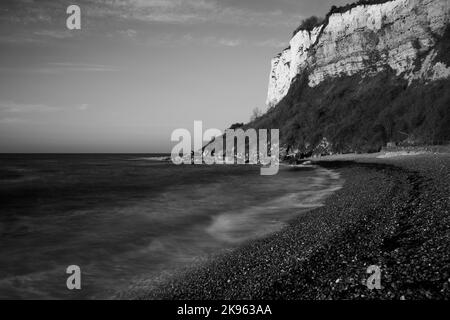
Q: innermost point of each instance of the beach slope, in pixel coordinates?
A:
(393, 212)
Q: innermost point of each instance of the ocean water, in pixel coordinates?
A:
(129, 220)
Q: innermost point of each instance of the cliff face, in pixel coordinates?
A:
(368, 76)
(398, 35)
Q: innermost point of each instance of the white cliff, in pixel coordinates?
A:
(400, 34)
(289, 63)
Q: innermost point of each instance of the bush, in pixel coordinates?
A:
(309, 24)
(350, 6)
(235, 126)
(361, 114)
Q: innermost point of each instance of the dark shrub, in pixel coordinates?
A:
(309, 24)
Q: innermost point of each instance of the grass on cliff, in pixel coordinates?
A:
(312, 22)
(359, 114)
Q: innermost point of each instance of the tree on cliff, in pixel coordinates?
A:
(256, 113)
(237, 125)
(309, 24)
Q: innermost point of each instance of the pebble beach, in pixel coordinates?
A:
(393, 212)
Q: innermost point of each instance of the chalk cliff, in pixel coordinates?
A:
(400, 35)
(371, 74)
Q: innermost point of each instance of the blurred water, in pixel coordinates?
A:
(125, 218)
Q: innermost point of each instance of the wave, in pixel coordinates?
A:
(271, 216)
(16, 175)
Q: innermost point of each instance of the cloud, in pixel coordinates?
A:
(43, 23)
(222, 42)
(14, 113)
(62, 67)
(26, 12)
(80, 67)
(229, 42)
(189, 11)
(271, 43)
(10, 107)
(171, 40)
(130, 33)
(83, 107)
(55, 34)
(168, 11)
(9, 120)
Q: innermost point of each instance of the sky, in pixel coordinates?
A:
(137, 69)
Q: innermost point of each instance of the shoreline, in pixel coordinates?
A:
(391, 212)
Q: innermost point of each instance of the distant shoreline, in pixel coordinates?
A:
(392, 212)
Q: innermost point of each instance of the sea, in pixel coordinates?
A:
(130, 221)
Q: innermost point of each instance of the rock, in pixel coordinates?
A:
(398, 34)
